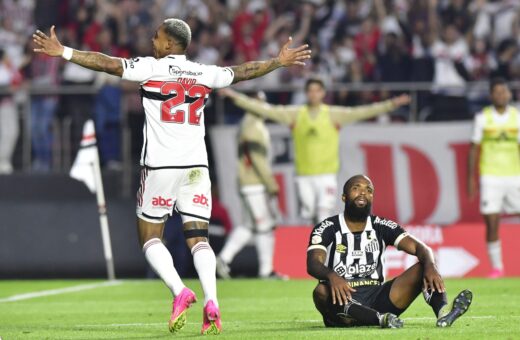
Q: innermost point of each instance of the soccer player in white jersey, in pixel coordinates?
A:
(174, 160)
(345, 254)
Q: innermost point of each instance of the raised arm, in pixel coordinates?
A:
(283, 114)
(92, 60)
(287, 57)
(342, 115)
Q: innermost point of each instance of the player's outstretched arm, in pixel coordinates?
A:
(342, 115)
(287, 57)
(92, 60)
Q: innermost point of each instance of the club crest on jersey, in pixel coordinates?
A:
(372, 247)
(341, 248)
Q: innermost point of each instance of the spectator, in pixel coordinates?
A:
(9, 76)
(43, 72)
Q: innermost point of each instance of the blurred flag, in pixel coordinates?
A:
(83, 167)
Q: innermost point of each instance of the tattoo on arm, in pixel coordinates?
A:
(254, 69)
(98, 62)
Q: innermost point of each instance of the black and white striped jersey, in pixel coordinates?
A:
(356, 255)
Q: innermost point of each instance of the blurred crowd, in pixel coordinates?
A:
(445, 42)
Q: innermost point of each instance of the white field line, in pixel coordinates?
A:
(73, 289)
(150, 324)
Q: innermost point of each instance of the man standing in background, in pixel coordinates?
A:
(258, 188)
(496, 141)
(315, 131)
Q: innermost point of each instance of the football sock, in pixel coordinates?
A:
(265, 248)
(161, 262)
(365, 315)
(205, 264)
(436, 300)
(237, 240)
(495, 254)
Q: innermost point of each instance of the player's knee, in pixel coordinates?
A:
(320, 293)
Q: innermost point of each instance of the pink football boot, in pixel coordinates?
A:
(211, 323)
(181, 303)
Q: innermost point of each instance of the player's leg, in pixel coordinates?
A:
(306, 197)
(403, 290)
(399, 293)
(264, 224)
(154, 204)
(492, 195)
(326, 187)
(194, 206)
(353, 314)
(239, 237)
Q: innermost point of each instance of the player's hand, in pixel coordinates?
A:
(293, 56)
(227, 92)
(401, 100)
(48, 45)
(432, 279)
(340, 289)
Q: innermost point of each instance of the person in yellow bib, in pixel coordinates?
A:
(496, 140)
(315, 131)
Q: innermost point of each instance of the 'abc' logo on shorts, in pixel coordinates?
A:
(201, 199)
(162, 202)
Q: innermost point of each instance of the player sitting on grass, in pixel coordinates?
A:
(345, 253)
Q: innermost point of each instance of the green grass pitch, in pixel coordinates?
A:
(251, 309)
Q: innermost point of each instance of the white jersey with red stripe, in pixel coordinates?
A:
(174, 92)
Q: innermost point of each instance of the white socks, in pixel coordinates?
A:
(161, 262)
(205, 264)
(237, 240)
(495, 254)
(265, 249)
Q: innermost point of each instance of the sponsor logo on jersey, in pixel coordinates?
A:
(341, 248)
(318, 231)
(357, 253)
(316, 239)
(365, 269)
(390, 224)
(340, 269)
(201, 199)
(372, 247)
(176, 71)
(162, 202)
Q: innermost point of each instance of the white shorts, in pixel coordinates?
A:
(188, 191)
(499, 194)
(317, 195)
(258, 214)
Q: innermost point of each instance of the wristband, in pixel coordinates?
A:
(67, 53)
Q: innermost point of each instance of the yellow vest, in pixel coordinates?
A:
(316, 143)
(499, 147)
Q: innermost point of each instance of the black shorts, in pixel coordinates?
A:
(374, 296)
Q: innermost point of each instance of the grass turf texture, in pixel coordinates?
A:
(251, 309)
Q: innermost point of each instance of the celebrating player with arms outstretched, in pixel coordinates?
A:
(174, 160)
(345, 253)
